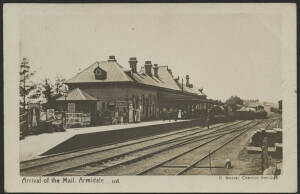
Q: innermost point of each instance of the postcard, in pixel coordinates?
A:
(185, 97)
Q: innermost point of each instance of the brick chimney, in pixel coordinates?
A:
(112, 58)
(187, 83)
(155, 69)
(148, 68)
(133, 64)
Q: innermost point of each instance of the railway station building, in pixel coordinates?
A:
(109, 93)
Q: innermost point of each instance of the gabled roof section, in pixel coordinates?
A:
(167, 78)
(77, 94)
(192, 90)
(114, 71)
(164, 80)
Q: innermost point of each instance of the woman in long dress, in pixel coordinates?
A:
(179, 114)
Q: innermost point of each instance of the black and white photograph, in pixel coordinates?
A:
(104, 93)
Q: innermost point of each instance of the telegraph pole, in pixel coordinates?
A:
(24, 65)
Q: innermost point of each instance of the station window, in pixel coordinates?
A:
(71, 107)
(137, 101)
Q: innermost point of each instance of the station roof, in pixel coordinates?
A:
(114, 71)
(164, 80)
(193, 90)
(77, 95)
(117, 73)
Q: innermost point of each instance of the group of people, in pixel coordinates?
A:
(173, 115)
(180, 114)
(125, 116)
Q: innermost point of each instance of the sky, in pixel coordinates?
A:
(225, 53)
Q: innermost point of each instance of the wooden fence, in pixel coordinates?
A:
(23, 125)
(77, 120)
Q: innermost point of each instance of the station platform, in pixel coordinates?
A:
(36, 146)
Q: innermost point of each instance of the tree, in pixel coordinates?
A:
(48, 93)
(26, 86)
(36, 95)
(52, 91)
(59, 86)
(234, 102)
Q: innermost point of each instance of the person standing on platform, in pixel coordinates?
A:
(193, 113)
(130, 114)
(175, 114)
(134, 115)
(125, 115)
(165, 114)
(208, 118)
(121, 117)
(179, 114)
(137, 115)
(170, 115)
(117, 116)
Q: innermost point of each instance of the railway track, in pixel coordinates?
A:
(93, 163)
(172, 155)
(183, 169)
(45, 160)
(97, 169)
(188, 153)
(61, 163)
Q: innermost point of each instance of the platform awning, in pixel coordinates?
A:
(77, 95)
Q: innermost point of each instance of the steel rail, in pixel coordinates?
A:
(129, 144)
(159, 151)
(162, 150)
(215, 150)
(178, 156)
(183, 141)
(118, 142)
